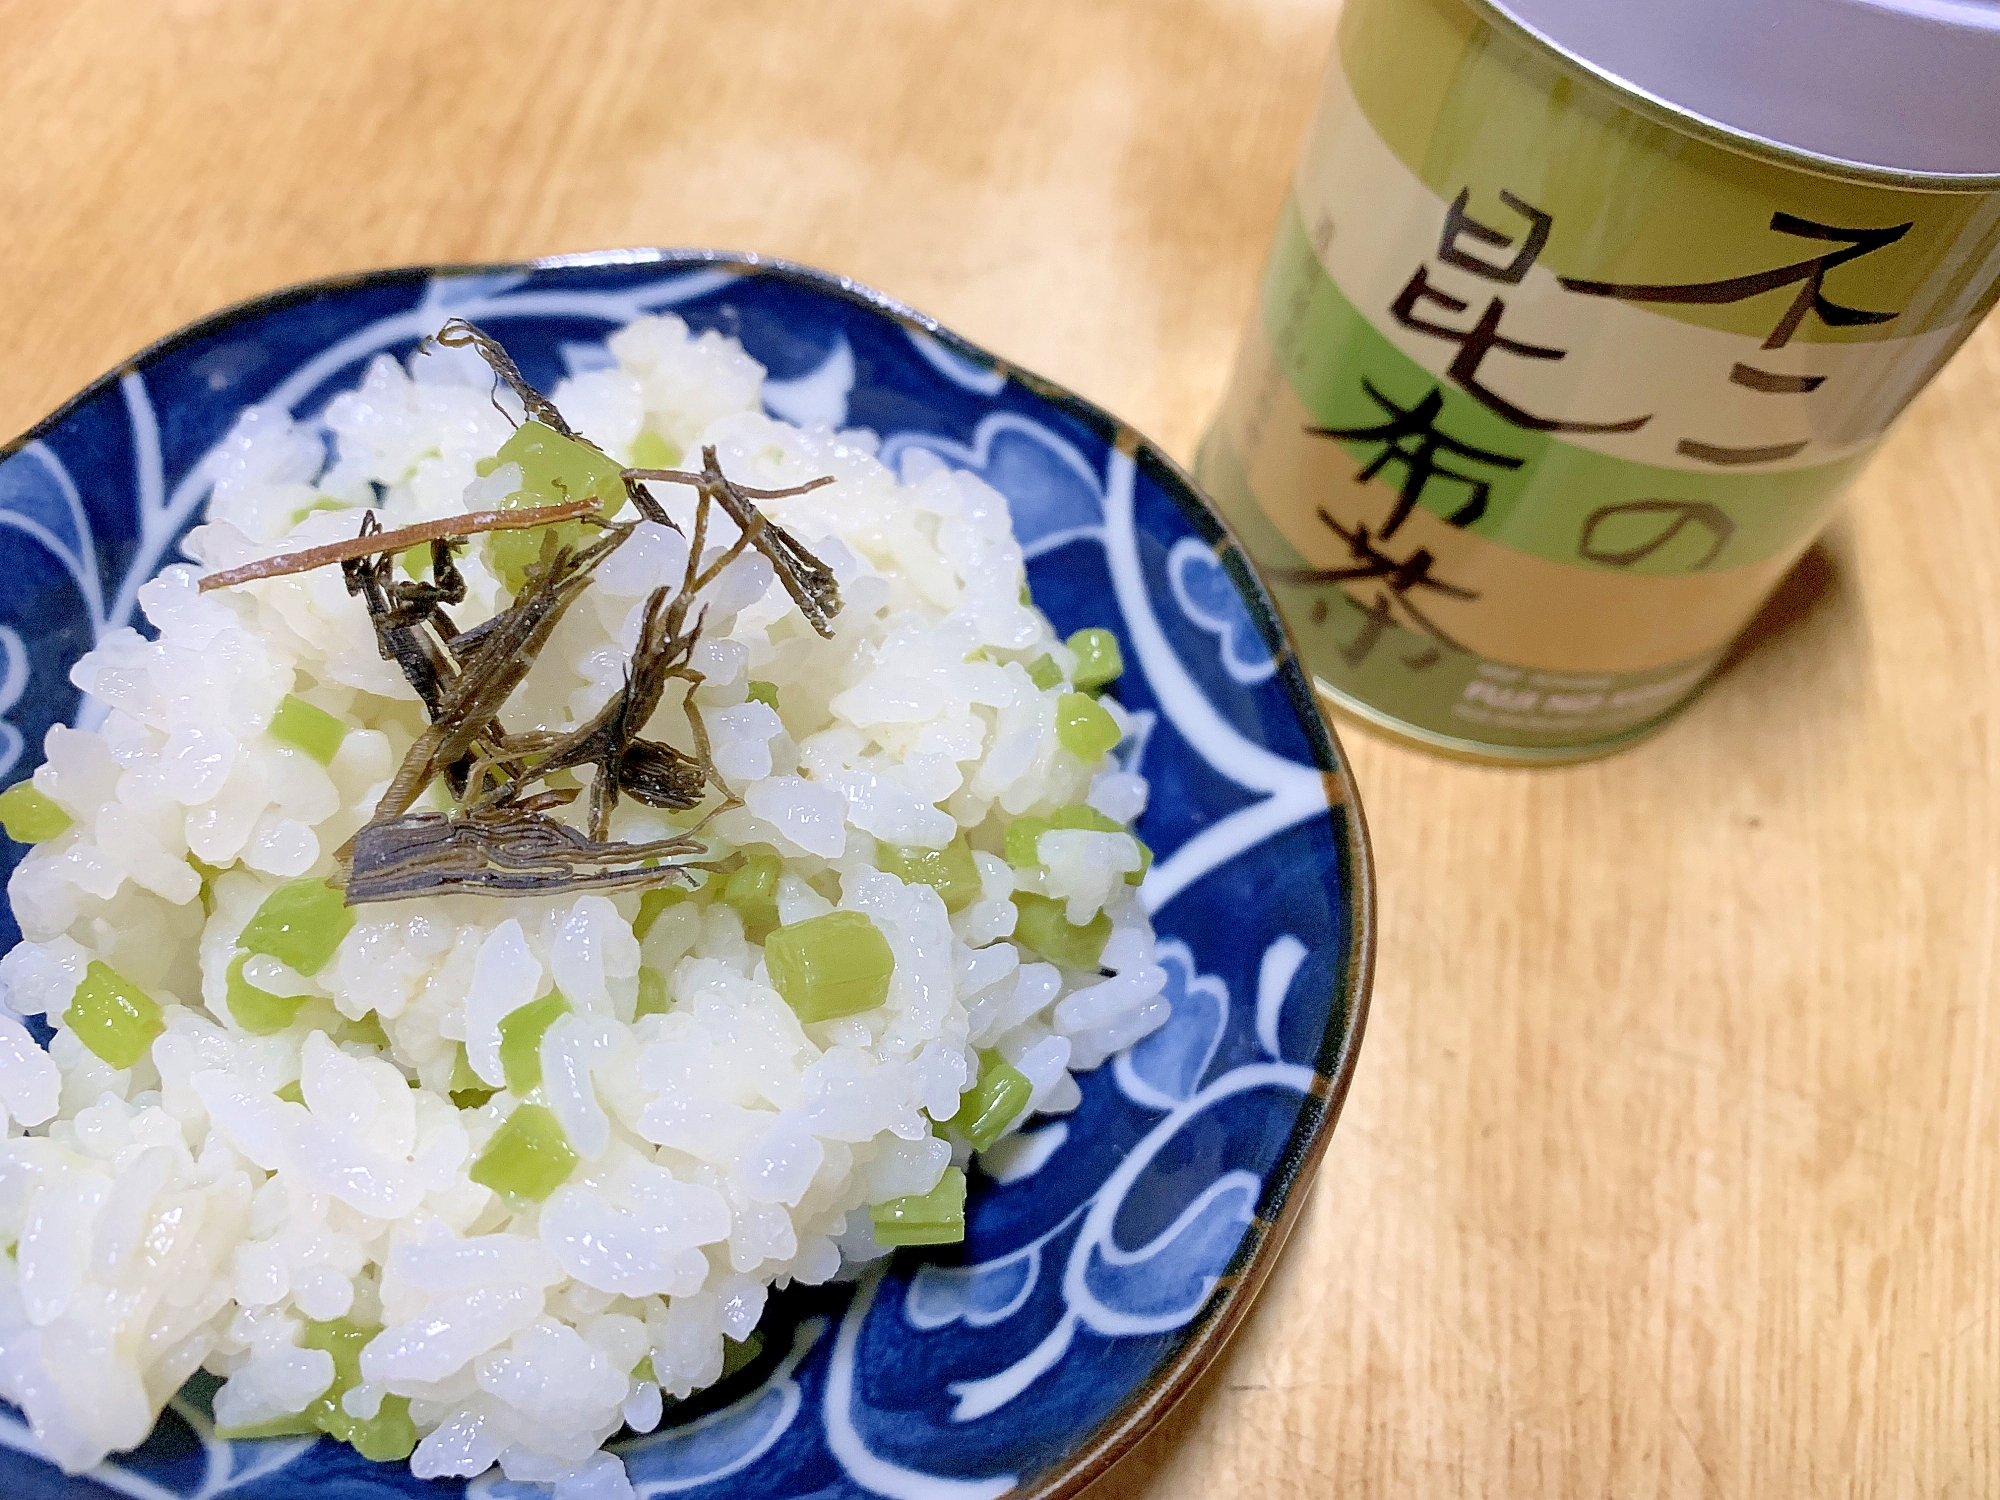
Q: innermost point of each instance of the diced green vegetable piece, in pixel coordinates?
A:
(765, 693)
(651, 451)
(653, 997)
(994, 1102)
(29, 816)
(652, 903)
(319, 503)
(387, 1437)
(298, 1424)
(554, 468)
(1098, 659)
(468, 1090)
(258, 1012)
(1042, 926)
(1044, 673)
(313, 730)
(753, 890)
(1024, 835)
(528, 1156)
(1084, 728)
(1138, 876)
(293, 1093)
(521, 1033)
(1082, 815)
(739, 1355)
(300, 924)
(948, 871)
(933, 1218)
(829, 966)
(112, 1016)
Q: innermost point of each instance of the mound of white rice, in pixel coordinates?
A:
(228, 1194)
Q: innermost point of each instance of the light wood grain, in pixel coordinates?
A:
(1671, 1164)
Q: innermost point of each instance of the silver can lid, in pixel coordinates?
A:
(1907, 86)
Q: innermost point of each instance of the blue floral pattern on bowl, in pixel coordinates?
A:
(1127, 1237)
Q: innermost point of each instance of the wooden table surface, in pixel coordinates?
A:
(1671, 1165)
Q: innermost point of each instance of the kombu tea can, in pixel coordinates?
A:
(1578, 321)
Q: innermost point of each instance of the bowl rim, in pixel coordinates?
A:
(1289, 1179)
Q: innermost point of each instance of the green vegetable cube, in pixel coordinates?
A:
(994, 1102)
(653, 997)
(1098, 659)
(933, 1218)
(313, 730)
(387, 1437)
(300, 924)
(1084, 728)
(834, 965)
(652, 903)
(1138, 876)
(651, 451)
(948, 871)
(554, 468)
(739, 1355)
(29, 816)
(521, 1033)
(528, 1156)
(1024, 837)
(1044, 673)
(1081, 815)
(765, 693)
(367, 1031)
(468, 1090)
(112, 1016)
(298, 1424)
(753, 890)
(1042, 926)
(259, 1012)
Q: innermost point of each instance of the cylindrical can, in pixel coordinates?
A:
(1562, 357)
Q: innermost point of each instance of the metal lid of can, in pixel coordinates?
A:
(1900, 87)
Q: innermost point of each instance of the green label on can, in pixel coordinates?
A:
(1542, 397)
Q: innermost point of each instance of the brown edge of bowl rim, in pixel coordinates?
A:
(1122, 1429)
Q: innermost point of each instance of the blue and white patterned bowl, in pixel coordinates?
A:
(1091, 1291)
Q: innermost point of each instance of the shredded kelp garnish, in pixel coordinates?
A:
(510, 851)
(809, 581)
(498, 838)
(472, 523)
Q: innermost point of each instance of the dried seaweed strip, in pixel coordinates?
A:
(491, 666)
(369, 543)
(809, 581)
(400, 609)
(517, 852)
(655, 773)
(458, 333)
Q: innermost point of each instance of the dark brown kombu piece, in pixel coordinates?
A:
(499, 838)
